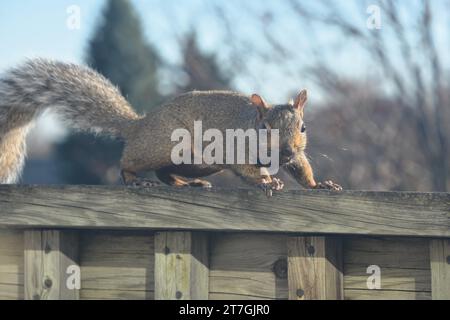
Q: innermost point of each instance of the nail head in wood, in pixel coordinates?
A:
(300, 293)
(280, 268)
(48, 283)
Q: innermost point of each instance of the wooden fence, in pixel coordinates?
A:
(169, 243)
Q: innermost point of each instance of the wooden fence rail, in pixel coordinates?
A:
(169, 243)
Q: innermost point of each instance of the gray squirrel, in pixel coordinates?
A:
(87, 101)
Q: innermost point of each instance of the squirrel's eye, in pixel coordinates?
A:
(303, 129)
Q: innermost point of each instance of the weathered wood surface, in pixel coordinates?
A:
(181, 266)
(253, 266)
(404, 264)
(248, 266)
(393, 279)
(440, 269)
(352, 294)
(11, 265)
(120, 265)
(315, 268)
(117, 265)
(163, 208)
(48, 254)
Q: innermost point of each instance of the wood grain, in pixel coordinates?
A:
(387, 252)
(181, 266)
(404, 264)
(315, 268)
(353, 294)
(440, 269)
(117, 265)
(397, 279)
(248, 266)
(164, 208)
(48, 254)
(102, 294)
(11, 265)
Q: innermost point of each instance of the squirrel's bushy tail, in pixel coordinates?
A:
(83, 98)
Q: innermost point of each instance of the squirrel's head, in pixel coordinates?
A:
(288, 119)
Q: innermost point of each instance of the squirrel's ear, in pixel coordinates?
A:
(300, 101)
(260, 104)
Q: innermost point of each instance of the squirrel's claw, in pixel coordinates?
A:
(328, 185)
(139, 182)
(268, 187)
(277, 184)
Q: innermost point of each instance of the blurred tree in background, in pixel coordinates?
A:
(120, 52)
(201, 70)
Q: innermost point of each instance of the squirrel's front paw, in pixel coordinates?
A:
(328, 185)
(268, 187)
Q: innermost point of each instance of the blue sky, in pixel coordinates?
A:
(30, 28)
(35, 28)
(38, 28)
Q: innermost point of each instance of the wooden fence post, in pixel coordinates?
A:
(48, 255)
(315, 268)
(181, 266)
(440, 269)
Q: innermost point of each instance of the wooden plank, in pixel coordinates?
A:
(404, 265)
(236, 296)
(163, 208)
(440, 269)
(11, 292)
(315, 268)
(248, 266)
(353, 294)
(48, 254)
(11, 264)
(181, 266)
(387, 252)
(102, 294)
(396, 279)
(117, 265)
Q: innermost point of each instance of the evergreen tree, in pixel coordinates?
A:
(119, 51)
(202, 70)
